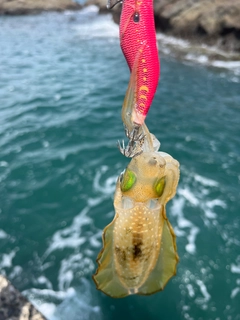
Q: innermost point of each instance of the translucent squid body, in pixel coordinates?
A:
(139, 252)
(138, 43)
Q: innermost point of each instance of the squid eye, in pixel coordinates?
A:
(159, 186)
(127, 181)
(136, 17)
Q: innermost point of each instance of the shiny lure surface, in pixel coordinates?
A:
(138, 43)
(139, 46)
(139, 252)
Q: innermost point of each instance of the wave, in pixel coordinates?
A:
(210, 56)
(3, 234)
(101, 26)
(60, 303)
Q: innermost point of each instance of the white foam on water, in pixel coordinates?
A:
(201, 197)
(179, 232)
(166, 40)
(182, 223)
(226, 64)
(203, 290)
(47, 309)
(189, 195)
(190, 289)
(73, 304)
(57, 295)
(104, 188)
(195, 191)
(73, 265)
(235, 268)
(209, 214)
(70, 237)
(205, 181)
(80, 305)
(201, 54)
(193, 285)
(210, 205)
(231, 66)
(3, 164)
(96, 239)
(89, 9)
(93, 202)
(101, 26)
(16, 271)
(3, 234)
(6, 261)
(216, 202)
(234, 292)
(46, 300)
(191, 247)
(43, 280)
(86, 11)
(108, 186)
(202, 59)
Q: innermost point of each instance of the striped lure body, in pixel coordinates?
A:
(139, 46)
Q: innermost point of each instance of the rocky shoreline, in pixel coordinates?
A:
(20, 7)
(14, 306)
(212, 22)
(211, 27)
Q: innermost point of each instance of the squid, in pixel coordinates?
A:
(139, 253)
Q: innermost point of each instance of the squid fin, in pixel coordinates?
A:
(106, 278)
(166, 264)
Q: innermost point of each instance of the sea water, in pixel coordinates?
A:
(62, 82)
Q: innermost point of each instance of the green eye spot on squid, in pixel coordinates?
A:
(127, 180)
(159, 186)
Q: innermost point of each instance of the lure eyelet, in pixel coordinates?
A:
(136, 17)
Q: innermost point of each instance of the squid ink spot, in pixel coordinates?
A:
(136, 17)
(137, 251)
(137, 244)
(121, 254)
(129, 278)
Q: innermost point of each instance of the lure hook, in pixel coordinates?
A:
(110, 6)
(135, 144)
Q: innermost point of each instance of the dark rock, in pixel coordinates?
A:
(214, 22)
(19, 7)
(14, 306)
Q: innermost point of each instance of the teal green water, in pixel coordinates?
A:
(62, 82)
